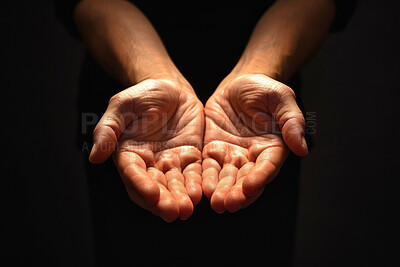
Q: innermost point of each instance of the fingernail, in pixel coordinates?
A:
(92, 152)
(304, 142)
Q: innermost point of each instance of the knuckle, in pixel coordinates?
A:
(287, 91)
(116, 99)
(294, 118)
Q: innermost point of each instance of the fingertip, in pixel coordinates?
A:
(234, 200)
(99, 154)
(93, 157)
(217, 202)
(169, 210)
(195, 194)
(304, 151)
(185, 215)
(185, 208)
(293, 135)
(249, 186)
(256, 180)
(105, 142)
(299, 147)
(208, 189)
(151, 193)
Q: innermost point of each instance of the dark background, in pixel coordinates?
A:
(348, 197)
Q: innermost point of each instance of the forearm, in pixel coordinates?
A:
(123, 41)
(285, 37)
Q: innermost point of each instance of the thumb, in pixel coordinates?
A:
(292, 124)
(109, 129)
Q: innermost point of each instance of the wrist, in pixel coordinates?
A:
(157, 68)
(260, 64)
(170, 76)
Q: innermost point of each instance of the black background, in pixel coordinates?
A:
(348, 197)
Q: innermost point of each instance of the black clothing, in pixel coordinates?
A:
(64, 9)
(205, 42)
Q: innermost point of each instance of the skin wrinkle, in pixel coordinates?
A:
(239, 135)
(236, 134)
(226, 110)
(255, 97)
(240, 115)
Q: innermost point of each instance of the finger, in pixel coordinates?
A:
(244, 201)
(292, 123)
(166, 208)
(192, 175)
(227, 178)
(253, 198)
(176, 185)
(132, 170)
(157, 175)
(267, 167)
(235, 198)
(211, 169)
(109, 128)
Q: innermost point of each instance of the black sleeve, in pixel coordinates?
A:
(343, 14)
(64, 12)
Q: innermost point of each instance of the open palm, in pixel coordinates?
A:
(250, 123)
(156, 131)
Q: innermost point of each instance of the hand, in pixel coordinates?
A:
(158, 126)
(246, 119)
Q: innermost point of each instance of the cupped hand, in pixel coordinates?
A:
(251, 121)
(155, 129)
